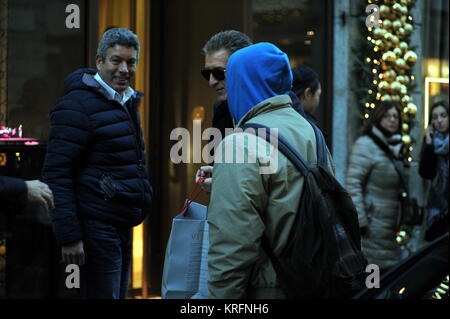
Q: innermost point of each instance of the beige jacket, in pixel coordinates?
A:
(246, 204)
(374, 185)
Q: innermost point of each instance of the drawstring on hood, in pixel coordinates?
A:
(254, 74)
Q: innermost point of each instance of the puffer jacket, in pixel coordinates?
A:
(245, 205)
(374, 186)
(95, 161)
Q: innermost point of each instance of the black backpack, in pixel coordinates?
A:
(323, 257)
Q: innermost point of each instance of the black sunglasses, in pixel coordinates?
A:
(218, 73)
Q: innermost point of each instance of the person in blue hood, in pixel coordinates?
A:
(263, 72)
(247, 204)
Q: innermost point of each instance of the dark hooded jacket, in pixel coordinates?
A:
(95, 161)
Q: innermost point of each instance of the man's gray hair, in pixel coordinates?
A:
(230, 40)
(120, 36)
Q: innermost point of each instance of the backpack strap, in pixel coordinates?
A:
(322, 158)
(284, 147)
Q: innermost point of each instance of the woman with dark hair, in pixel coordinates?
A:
(375, 177)
(434, 166)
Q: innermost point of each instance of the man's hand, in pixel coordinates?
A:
(39, 192)
(429, 134)
(205, 172)
(73, 253)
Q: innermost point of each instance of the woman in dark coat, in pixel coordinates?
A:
(434, 166)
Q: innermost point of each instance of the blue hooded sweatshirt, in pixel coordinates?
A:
(254, 74)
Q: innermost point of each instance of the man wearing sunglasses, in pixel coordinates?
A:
(217, 51)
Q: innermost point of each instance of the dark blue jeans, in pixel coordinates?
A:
(108, 255)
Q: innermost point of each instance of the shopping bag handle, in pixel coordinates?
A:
(192, 195)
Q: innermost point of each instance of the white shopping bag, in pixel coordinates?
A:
(185, 274)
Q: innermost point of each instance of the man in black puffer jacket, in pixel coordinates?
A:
(95, 166)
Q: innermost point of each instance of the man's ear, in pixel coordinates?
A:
(307, 93)
(98, 61)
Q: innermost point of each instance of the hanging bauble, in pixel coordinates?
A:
(397, 8)
(412, 108)
(404, 18)
(404, 2)
(379, 33)
(384, 11)
(406, 139)
(406, 99)
(404, 10)
(398, 52)
(389, 57)
(390, 75)
(410, 57)
(402, 79)
(404, 46)
(387, 24)
(388, 2)
(403, 90)
(408, 28)
(396, 86)
(401, 64)
(386, 97)
(383, 85)
(380, 44)
(395, 40)
(401, 32)
(397, 24)
(405, 127)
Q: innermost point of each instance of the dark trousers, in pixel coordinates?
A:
(108, 256)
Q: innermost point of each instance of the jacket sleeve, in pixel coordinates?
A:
(235, 225)
(13, 193)
(359, 169)
(428, 162)
(68, 141)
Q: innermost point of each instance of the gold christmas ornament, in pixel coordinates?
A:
(395, 40)
(401, 79)
(383, 85)
(408, 28)
(396, 86)
(387, 24)
(395, 98)
(401, 32)
(398, 52)
(384, 11)
(386, 97)
(379, 33)
(404, 2)
(389, 57)
(403, 89)
(404, 46)
(405, 127)
(400, 63)
(410, 57)
(412, 108)
(406, 139)
(397, 24)
(406, 99)
(390, 75)
(404, 10)
(397, 7)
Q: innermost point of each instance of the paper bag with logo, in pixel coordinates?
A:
(185, 274)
